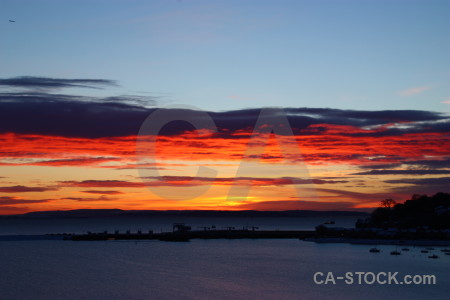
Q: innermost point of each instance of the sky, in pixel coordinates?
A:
(364, 86)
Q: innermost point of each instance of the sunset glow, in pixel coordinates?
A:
(366, 99)
(350, 168)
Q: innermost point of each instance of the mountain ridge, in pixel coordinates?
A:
(117, 213)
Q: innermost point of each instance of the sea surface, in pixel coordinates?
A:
(202, 269)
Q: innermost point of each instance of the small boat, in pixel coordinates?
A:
(374, 250)
(405, 249)
(424, 251)
(445, 250)
(329, 222)
(447, 253)
(433, 256)
(430, 248)
(395, 252)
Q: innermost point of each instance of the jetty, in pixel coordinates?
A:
(182, 232)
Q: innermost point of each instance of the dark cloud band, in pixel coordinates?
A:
(54, 83)
(40, 112)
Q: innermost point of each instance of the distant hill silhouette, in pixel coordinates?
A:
(118, 213)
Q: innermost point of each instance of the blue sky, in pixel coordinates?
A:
(222, 55)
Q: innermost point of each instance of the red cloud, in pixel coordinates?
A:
(24, 189)
(80, 199)
(334, 145)
(17, 200)
(102, 192)
(102, 183)
(255, 181)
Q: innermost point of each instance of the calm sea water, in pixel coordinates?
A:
(206, 269)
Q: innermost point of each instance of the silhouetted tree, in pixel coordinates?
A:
(387, 203)
(419, 211)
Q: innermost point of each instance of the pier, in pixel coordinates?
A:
(182, 232)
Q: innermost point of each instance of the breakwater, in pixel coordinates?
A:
(195, 234)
